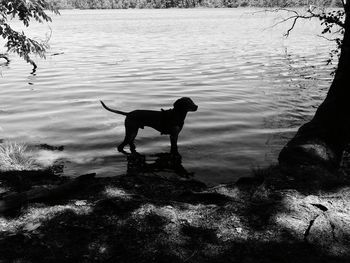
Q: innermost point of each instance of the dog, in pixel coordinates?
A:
(165, 121)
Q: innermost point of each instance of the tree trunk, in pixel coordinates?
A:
(324, 138)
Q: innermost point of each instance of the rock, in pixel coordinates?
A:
(310, 152)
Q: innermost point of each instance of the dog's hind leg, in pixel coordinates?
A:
(121, 147)
(130, 134)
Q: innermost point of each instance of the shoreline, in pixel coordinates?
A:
(155, 215)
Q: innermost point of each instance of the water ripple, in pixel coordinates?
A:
(254, 88)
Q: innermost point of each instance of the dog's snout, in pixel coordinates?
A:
(195, 107)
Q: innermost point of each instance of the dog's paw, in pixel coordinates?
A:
(121, 149)
(175, 154)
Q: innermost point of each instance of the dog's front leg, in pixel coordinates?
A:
(173, 142)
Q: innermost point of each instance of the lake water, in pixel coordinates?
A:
(253, 86)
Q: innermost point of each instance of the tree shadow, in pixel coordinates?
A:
(146, 217)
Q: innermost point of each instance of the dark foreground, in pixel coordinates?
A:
(280, 215)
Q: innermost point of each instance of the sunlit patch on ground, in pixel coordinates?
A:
(115, 192)
(33, 217)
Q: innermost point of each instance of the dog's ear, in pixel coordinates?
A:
(177, 104)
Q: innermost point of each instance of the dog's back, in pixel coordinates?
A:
(142, 118)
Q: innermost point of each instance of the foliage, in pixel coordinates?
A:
(25, 11)
(118, 4)
(332, 21)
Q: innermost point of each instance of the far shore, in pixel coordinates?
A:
(194, 7)
(166, 4)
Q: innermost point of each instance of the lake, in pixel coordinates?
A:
(254, 87)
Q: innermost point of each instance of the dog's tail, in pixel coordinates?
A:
(115, 111)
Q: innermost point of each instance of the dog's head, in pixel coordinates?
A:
(185, 104)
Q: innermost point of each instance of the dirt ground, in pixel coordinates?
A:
(161, 214)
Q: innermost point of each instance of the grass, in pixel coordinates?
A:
(16, 156)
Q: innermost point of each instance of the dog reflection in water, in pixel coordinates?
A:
(164, 162)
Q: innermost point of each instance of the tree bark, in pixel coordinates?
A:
(324, 138)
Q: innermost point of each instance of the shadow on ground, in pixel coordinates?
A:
(156, 214)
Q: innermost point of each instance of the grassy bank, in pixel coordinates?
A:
(124, 4)
(16, 156)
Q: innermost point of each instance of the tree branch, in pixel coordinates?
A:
(294, 17)
(4, 56)
(328, 19)
(25, 10)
